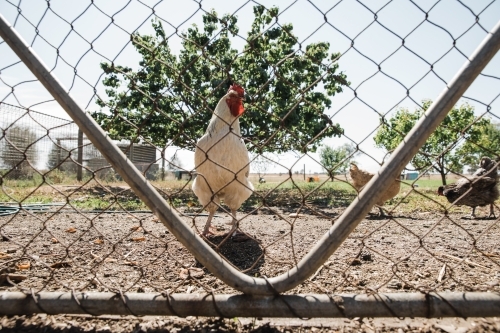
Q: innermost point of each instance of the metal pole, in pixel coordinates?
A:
(447, 304)
(337, 233)
(59, 153)
(163, 163)
(80, 156)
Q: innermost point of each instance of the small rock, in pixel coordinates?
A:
(103, 329)
(493, 283)
(394, 284)
(366, 256)
(191, 272)
(355, 262)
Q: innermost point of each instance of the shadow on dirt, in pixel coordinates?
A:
(242, 253)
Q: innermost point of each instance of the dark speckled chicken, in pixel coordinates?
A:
(479, 190)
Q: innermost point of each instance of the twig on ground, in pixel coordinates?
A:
(442, 272)
(463, 260)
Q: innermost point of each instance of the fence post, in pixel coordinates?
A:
(59, 153)
(163, 163)
(80, 156)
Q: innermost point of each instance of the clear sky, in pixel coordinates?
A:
(394, 53)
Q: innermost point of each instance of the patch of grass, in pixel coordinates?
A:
(424, 185)
(28, 182)
(295, 194)
(179, 194)
(109, 203)
(23, 194)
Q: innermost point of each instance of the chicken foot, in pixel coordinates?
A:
(236, 235)
(234, 223)
(492, 212)
(382, 212)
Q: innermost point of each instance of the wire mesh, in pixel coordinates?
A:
(150, 77)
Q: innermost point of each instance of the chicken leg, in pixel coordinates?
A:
(207, 231)
(233, 223)
(492, 211)
(473, 213)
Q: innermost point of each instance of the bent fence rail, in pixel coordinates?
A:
(263, 295)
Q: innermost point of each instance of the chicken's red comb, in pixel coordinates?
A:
(239, 89)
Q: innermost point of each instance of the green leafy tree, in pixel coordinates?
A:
(441, 149)
(337, 159)
(170, 99)
(488, 144)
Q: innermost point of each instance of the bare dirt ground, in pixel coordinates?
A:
(105, 324)
(135, 253)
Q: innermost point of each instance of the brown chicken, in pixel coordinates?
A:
(359, 178)
(479, 190)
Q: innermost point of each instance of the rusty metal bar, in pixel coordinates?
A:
(332, 239)
(432, 305)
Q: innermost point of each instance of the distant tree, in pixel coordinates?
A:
(53, 160)
(488, 144)
(260, 163)
(337, 159)
(174, 163)
(170, 99)
(19, 147)
(441, 149)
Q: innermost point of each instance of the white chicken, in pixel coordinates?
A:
(221, 160)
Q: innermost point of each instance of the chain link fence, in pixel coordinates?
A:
(35, 142)
(264, 200)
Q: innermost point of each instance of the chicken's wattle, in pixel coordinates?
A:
(235, 105)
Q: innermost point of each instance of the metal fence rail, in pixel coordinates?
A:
(231, 306)
(263, 294)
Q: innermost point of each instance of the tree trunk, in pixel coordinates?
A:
(443, 177)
